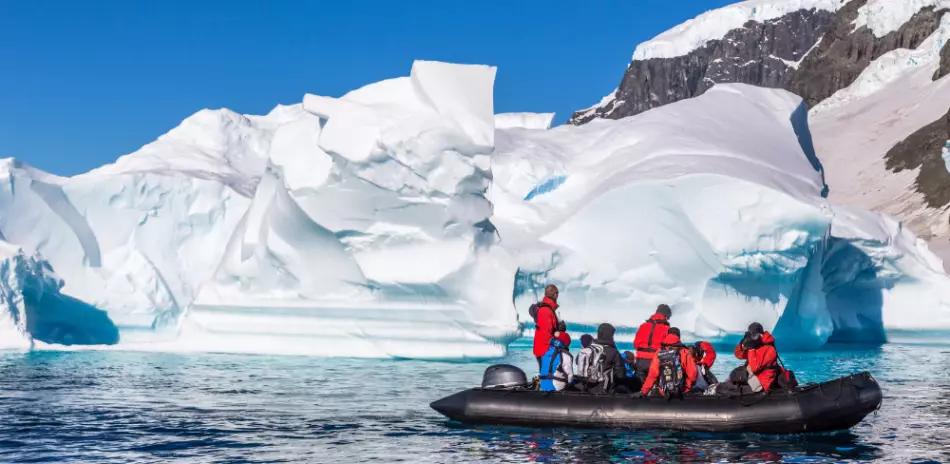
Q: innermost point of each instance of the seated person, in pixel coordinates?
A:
(646, 342)
(757, 348)
(704, 355)
(672, 371)
(583, 361)
(602, 367)
(557, 364)
(630, 382)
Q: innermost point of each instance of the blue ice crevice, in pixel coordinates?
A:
(549, 185)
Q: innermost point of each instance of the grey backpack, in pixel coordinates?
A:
(597, 372)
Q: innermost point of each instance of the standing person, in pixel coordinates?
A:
(649, 336)
(547, 323)
(557, 364)
(672, 370)
(604, 365)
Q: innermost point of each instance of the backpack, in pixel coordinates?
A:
(535, 307)
(551, 365)
(786, 379)
(671, 381)
(628, 364)
(596, 373)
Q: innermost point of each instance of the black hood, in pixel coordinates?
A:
(605, 334)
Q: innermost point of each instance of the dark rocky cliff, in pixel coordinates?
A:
(812, 53)
(944, 63)
(757, 53)
(845, 52)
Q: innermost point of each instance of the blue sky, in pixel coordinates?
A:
(83, 83)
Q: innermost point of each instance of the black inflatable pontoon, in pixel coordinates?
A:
(834, 405)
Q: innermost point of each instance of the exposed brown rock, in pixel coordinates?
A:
(844, 53)
(923, 150)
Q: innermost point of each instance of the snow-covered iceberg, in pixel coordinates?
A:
(370, 235)
(405, 219)
(32, 307)
(714, 205)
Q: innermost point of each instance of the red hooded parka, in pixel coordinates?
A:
(649, 335)
(709, 355)
(547, 324)
(763, 361)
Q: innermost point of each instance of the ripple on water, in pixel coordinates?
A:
(139, 407)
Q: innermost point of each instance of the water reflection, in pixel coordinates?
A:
(564, 445)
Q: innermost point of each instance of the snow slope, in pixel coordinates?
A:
(524, 120)
(856, 127)
(885, 16)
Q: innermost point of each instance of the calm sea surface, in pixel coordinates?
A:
(90, 406)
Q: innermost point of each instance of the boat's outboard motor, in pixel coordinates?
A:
(504, 376)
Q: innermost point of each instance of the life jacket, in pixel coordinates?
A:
(551, 366)
(646, 346)
(628, 365)
(597, 373)
(671, 381)
(533, 312)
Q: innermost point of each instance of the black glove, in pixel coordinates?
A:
(561, 326)
(751, 343)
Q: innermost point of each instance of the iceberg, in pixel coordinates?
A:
(524, 120)
(406, 220)
(716, 206)
(369, 235)
(32, 309)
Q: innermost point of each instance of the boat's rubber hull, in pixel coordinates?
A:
(835, 405)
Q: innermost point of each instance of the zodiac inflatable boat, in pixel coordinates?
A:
(504, 400)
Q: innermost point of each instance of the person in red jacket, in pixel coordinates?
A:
(758, 349)
(708, 354)
(648, 338)
(686, 364)
(705, 356)
(547, 322)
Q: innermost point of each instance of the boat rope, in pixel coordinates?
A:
(840, 389)
(761, 396)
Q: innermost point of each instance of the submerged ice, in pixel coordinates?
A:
(405, 219)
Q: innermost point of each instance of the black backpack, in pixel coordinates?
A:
(533, 312)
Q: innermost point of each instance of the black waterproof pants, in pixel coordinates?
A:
(642, 365)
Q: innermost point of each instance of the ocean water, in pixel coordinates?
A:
(125, 407)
